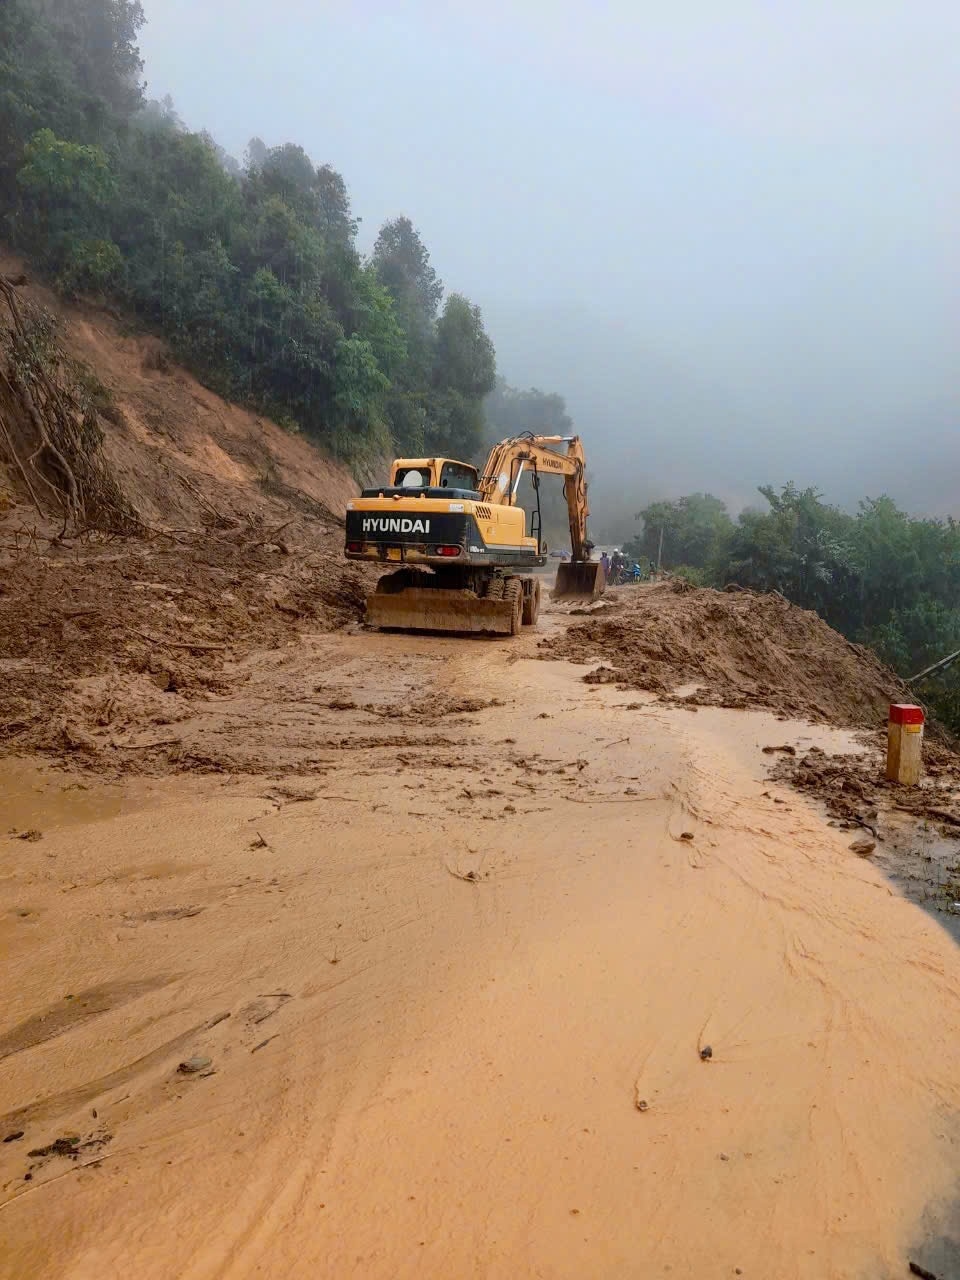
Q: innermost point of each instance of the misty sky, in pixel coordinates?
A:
(725, 230)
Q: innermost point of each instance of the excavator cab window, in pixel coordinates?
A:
(414, 478)
(456, 475)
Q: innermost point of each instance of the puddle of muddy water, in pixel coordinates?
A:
(937, 1249)
(925, 867)
(33, 799)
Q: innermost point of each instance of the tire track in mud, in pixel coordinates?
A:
(460, 1063)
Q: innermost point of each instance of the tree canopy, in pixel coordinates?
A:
(688, 531)
(251, 272)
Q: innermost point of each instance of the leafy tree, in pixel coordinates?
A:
(67, 188)
(403, 266)
(256, 153)
(881, 577)
(464, 371)
(689, 531)
(252, 274)
(802, 548)
(464, 360)
(99, 37)
(159, 115)
(317, 196)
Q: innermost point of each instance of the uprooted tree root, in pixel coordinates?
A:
(49, 428)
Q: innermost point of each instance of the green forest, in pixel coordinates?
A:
(251, 272)
(881, 577)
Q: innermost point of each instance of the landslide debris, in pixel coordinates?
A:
(99, 634)
(152, 537)
(854, 790)
(739, 649)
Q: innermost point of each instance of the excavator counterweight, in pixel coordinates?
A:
(465, 554)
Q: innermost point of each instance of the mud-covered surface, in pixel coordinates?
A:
(469, 923)
(337, 953)
(739, 649)
(107, 646)
(854, 789)
(911, 833)
(119, 641)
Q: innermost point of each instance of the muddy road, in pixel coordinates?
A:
(474, 970)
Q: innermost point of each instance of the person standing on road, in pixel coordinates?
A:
(605, 564)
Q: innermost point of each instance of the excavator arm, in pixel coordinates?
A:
(510, 458)
(501, 478)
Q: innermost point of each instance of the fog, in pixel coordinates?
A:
(727, 234)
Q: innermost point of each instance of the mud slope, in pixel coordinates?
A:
(737, 648)
(182, 453)
(107, 641)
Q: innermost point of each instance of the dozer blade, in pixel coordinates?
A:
(579, 578)
(438, 609)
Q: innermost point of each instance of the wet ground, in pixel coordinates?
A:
(455, 965)
(925, 866)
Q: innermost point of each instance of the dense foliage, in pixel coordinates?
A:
(252, 273)
(880, 577)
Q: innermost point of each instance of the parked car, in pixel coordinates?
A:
(559, 554)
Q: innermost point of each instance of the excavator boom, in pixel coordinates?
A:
(580, 576)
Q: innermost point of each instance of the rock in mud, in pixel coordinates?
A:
(601, 675)
(863, 846)
(194, 1065)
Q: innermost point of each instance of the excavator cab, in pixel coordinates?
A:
(424, 475)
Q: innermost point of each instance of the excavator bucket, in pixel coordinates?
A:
(435, 609)
(579, 579)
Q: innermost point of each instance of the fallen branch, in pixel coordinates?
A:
(271, 534)
(20, 467)
(942, 665)
(922, 1272)
(50, 428)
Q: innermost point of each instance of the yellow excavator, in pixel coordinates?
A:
(463, 547)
